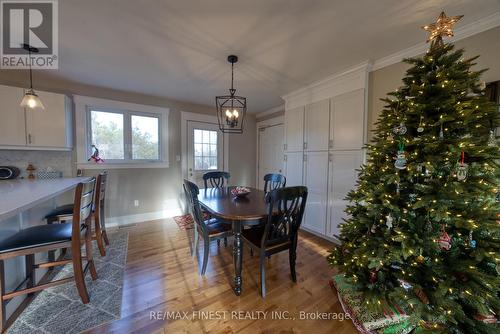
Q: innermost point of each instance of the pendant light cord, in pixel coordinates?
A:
(31, 72)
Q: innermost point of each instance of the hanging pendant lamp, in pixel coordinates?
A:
(231, 109)
(31, 101)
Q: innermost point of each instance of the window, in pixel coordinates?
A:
(205, 149)
(124, 136)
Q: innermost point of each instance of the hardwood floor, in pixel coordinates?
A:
(161, 276)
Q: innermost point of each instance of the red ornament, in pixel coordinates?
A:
(444, 240)
(487, 319)
(373, 276)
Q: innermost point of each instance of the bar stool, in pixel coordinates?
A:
(43, 238)
(65, 213)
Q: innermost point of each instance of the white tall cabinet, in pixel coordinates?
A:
(325, 128)
(50, 129)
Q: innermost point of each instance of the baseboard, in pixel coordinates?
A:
(136, 219)
(322, 236)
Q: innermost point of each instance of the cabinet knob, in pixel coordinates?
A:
(29, 138)
(330, 144)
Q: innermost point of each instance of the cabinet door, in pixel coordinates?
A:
(317, 126)
(294, 164)
(12, 123)
(294, 129)
(343, 173)
(347, 120)
(316, 181)
(49, 128)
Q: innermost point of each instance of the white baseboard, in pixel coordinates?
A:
(322, 236)
(135, 219)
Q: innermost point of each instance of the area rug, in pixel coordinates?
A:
(186, 222)
(59, 310)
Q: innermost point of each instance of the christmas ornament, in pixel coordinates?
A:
(444, 240)
(462, 277)
(420, 259)
(373, 228)
(462, 169)
(397, 188)
(442, 27)
(472, 242)
(404, 284)
(420, 128)
(388, 221)
(373, 276)
(487, 319)
(400, 129)
(422, 296)
(400, 157)
(492, 142)
(441, 133)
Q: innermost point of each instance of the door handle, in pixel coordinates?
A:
(29, 138)
(190, 169)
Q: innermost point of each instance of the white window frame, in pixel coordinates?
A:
(83, 107)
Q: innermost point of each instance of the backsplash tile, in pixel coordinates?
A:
(42, 160)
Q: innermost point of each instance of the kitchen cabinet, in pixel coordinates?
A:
(50, 129)
(317, 126)
(347, 125)
(294, 130)
(294, 162)
(315, 179)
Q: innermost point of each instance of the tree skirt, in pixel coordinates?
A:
(59, 310)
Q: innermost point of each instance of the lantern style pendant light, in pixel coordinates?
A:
(31, 101)
(231, 109)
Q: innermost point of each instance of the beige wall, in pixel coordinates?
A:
(387, 79)
(156, 189)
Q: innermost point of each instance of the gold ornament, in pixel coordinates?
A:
(442, 27)
(420, 259)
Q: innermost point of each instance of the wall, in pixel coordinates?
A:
(387, 79)
(156, 189)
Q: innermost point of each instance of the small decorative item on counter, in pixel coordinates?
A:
(95, 156)
(240, 191)
(30, 169)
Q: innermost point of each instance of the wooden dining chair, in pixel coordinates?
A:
(215, 179)
(209, 230)
(285, 211)
(64, 214)
(43, 238)
(274, 181)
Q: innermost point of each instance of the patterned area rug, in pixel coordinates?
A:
(186, 222)
(59, 310)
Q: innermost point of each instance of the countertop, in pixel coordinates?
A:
(19, 195)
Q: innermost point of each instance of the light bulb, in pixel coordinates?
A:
(235, 113)
(228, 113)
(32, 101)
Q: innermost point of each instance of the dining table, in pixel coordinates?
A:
(249, 210)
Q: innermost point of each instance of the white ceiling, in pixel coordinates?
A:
(178, 49)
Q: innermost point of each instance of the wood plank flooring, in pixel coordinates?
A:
(161, 276)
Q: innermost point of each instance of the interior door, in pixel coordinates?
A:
(205, 150)
(271, 152)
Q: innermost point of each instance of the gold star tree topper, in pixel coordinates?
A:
(442, 27)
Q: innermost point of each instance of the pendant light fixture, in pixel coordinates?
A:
(231, 109)
(31, 101)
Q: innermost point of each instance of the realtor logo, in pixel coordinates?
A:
(34, 23)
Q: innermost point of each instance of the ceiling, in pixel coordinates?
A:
(178, 49)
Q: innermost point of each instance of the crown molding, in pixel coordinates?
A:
(473, 28)
(270, 111)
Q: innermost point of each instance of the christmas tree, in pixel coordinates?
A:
(423, 229)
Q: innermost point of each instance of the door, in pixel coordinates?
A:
(294, 164)
(316, 181)
(205, 150)
(294, 129)
(12, 124)
(317, 126)
(271, 152)
(343, 167)
(48, 128)
(347, 120)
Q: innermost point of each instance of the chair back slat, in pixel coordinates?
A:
(191, 190)
(83, 204)
(274, 181)
(285, 212)
(215, 179)
(100, 195)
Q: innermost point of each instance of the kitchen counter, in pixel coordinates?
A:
(17, 196)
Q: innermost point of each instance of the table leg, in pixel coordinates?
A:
(237, 257)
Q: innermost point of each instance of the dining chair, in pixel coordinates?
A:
(64, 213)
(285, 211)
(209, 230)
(274, 181)
(43, 238)
(216, 179)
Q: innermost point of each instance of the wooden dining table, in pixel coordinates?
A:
(240, 212)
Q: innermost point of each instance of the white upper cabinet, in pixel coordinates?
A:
(12, 124)
(50, 129)
(347, 121)
(316, 126)
(316, 181)
(294, 130)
